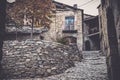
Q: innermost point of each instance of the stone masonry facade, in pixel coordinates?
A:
(59, 22)
(58, 26)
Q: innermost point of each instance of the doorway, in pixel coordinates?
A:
(87, 45)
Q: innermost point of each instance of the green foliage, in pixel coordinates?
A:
(62, 41)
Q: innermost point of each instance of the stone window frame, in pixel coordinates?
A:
(73, 23)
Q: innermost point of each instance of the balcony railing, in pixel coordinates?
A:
(69, 31)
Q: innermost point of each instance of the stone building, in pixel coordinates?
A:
(91, 33)
(67, 25)
(109, 18)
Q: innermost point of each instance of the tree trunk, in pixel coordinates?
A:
(2, 24)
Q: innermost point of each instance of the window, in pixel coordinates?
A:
(69, 23)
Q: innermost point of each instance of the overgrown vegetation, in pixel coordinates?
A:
(62, 41)
(35, 10)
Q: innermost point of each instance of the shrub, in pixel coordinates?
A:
(62, 41)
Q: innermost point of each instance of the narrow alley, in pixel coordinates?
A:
(59, 40)
(92, 67)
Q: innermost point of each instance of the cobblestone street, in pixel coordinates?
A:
(92, 67)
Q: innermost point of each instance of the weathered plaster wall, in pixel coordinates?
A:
(109, 13)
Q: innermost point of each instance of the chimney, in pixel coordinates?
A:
(75, 6)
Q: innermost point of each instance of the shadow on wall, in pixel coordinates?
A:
(22, 36)
(87, 45)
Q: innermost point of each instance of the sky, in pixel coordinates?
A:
(10, 1)
(89, 6)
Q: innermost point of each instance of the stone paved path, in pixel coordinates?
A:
(92, 67)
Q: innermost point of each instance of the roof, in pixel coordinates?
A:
(90, 18)
(89, 15)
(65, 6)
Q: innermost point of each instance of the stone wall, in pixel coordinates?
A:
(103, 30)
(110, 23)
(34, 58)
(21, 36)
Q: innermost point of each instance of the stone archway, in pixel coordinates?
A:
(87, 45)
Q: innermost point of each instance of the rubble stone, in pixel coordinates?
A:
(31, 58)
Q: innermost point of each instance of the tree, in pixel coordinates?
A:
(36, 10)
(2, 24)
